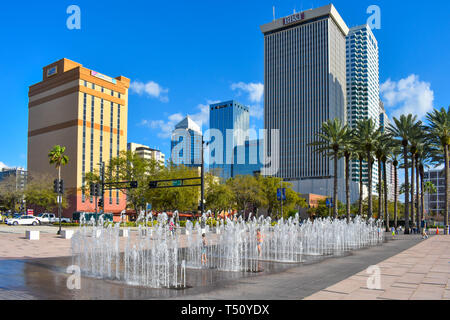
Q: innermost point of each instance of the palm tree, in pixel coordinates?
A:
(389, 145)
(429, 188)
(58, 158)
(381, 151)
(368, 136)
(394, 158)
(415, 138)
(360, 154)
(347, 151)
(439, 134)
(402, 131)
(331, 139)
(424, 153)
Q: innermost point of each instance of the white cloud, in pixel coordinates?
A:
(256, 111)
(150, 88)
(255, 90)
(166, 126)
(408, 95)
(2, 165)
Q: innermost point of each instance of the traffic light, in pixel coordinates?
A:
(94, 190)
(61, 187)
(153, 184)
(100, 203)
(55, 186)
(133, 184)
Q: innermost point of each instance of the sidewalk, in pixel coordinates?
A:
(421, 272)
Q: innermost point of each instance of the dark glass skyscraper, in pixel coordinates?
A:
(232, 120)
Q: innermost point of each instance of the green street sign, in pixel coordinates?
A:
(176, 183)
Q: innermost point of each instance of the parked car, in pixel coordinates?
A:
(23, 220)
(46, 218)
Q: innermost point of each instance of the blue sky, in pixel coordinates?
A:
(183, 55)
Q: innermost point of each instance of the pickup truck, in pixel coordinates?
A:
(46, 218)
(50, 218)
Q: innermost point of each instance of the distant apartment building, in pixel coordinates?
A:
(304, 86)
(186, 143)
(145, 152)
(17, 175)
(232, 120)
(363, 100)
(435, 202)
(86, 112)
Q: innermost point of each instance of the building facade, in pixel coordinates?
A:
(18, 175)
(250, 153)
(363, 91)
(232, 120)
(305, 85)
(145, 152)
(434, 203)
(186, 143)
(86, 112)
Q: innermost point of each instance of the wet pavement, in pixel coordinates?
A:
(46, 278)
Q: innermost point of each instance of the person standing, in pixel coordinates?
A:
(204, 245)
(259, 241)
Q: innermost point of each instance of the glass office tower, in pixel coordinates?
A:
(304, 85)
(232, 120)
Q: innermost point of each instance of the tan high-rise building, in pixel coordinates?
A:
(86, 112)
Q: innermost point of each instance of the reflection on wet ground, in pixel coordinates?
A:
(46, 278)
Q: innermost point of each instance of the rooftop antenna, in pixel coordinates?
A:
(273, 8)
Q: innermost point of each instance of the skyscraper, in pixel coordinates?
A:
(232, 119)
(186, 143)
(304, 85)
(86, 112)
(363, 100)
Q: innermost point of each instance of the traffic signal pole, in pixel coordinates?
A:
(202, 205)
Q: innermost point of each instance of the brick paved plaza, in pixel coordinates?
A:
(419, 273)
(410, 268)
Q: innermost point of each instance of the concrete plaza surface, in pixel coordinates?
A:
(421, 272)
(410, 268)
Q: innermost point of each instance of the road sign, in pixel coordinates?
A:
(149, 206)
(329, 202)
(281, 194)
(176, 183)
(30, 212)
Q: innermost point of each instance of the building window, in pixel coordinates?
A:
(83, 169)
(118, 144)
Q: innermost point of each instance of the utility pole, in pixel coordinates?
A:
(202, 204)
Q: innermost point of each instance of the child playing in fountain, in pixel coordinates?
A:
(259, 240)
(204, 244)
